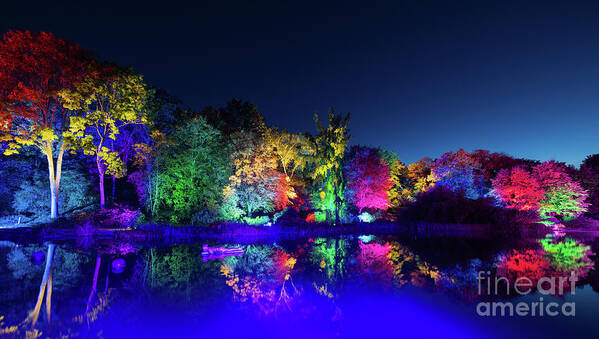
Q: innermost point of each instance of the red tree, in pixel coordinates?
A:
(517, 188)
(33, 67)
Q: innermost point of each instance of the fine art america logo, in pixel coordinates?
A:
(523, 286)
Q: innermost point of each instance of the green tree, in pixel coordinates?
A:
(191, 172)
(328, 148)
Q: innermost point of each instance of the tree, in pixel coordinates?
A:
(255, 181)
(400, 191)
(109, 99)
(421, 175)
(566, 201)
(517, 188)
(368, 179)
(166, 115)
(146, 154)
(589, 179)
(547, 188)
(563, 198)
(328, 147)
(458, 171)
(33, 68)
(291, 149)
(491, 163)
(238, 115)
(551, 174)
(190, 172)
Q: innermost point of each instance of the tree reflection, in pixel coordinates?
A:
(45, 286)
(555, 259)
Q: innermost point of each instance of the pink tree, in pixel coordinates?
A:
(551, 174)
(368, 178)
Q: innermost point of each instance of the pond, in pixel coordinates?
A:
(347, 286)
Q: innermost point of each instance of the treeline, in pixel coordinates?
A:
(72, 125)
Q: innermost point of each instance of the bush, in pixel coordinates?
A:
(260, 220)
(204, 218)
(441, 205)
(320, 216)
(366, 217)
(33, 196)
(119, 217)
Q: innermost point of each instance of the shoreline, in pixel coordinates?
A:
(242, 233)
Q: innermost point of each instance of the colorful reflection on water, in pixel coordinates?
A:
(323, 287)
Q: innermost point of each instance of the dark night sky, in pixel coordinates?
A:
(419, 78)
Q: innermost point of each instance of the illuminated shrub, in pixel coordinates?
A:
(320, 216)
(366, 217)
(283, 193)
(229, 208)
(33, 195)
(260, 220)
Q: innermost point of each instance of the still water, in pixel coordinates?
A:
(351, 286)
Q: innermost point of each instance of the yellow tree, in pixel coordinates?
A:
(400, 191)
(421, 175)
(291, 149)
(109, 99)
(254, 181)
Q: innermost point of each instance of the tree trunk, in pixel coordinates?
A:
(101, 177)
(53, 200)
(102, 194)
(113, 188)
(54, 174)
